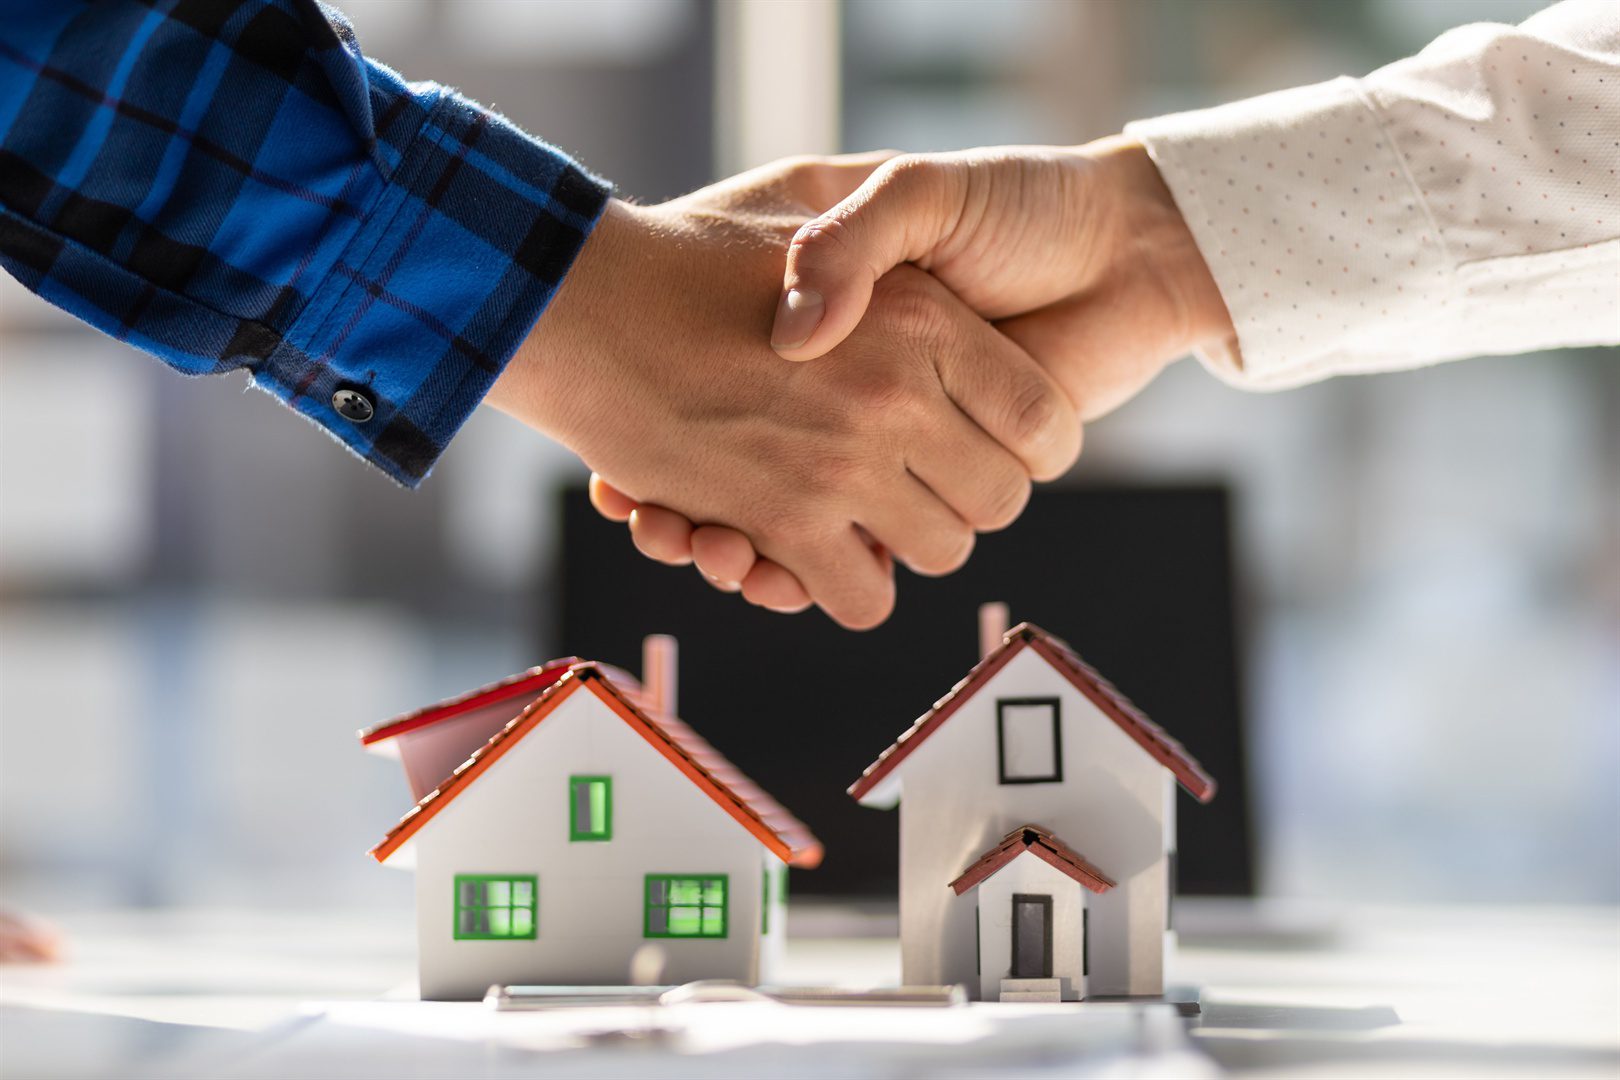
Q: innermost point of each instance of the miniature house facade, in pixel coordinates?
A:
(583, 821)
(1037, 828)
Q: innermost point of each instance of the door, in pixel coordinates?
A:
(1031, 936)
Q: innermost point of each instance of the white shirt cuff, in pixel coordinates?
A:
(1312, 229)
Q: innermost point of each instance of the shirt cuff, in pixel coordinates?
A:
(1314, 233)
(454, 262)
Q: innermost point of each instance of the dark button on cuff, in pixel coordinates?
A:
(353, 405)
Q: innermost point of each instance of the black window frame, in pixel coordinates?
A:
(1056, 706)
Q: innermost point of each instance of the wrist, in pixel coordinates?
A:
(544, 383)
(1153, 233)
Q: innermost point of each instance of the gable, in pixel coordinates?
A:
(1037, 843)
(518, 811)
(879, 784)
(781, 833)
(1024, 738)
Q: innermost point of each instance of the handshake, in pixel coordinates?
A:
(943, 325)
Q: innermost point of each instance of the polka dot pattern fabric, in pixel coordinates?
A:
(1464, 202)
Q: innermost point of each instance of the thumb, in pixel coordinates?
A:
(900, 214)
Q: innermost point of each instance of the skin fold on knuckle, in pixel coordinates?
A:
(905, 304)
(819, 476)
(818, 249)
(884, 397)
(1035, 424)
(1002, 503)
(948, 554)
(907, 176)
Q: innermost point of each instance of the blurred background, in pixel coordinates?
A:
(202, 598)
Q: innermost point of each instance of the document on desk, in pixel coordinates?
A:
(361, 1040)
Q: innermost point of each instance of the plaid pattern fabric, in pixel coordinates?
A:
(231, 184)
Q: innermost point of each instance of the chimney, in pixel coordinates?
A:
(992, 627)
(658, 662)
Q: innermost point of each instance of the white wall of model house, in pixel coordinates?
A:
(1027, 874)
(1110, 806)
(591, 910)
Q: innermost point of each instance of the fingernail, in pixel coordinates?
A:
(721, 583)
(797, 317)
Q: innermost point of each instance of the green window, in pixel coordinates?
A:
(686, 906)
(495, 906)
(590, 808)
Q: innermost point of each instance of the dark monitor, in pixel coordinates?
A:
(1138, 580)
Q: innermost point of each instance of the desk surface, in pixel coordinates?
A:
(1477, 992)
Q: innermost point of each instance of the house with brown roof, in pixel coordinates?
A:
(571, 818)
(1037, 827)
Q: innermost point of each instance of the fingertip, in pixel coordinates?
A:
(868, 609)
(770, 585)
(720, 584)
(662, 535)
(609, 501)
(860, 619)
(724, 555)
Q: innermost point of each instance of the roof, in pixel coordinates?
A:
(530, 682)
(1082, 676)
(1044, 846)
(783, 834)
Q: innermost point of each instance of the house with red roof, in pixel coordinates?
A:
(1037, 827)
(565, 817)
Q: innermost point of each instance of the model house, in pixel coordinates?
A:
(1037, 827)
(565, 817)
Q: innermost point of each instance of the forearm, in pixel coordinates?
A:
(235, 187)
(1455, 204)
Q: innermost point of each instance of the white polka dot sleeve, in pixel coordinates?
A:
(1463, 202)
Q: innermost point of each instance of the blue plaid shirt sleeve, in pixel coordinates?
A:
(233, 185)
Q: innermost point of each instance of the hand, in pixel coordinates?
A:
(1080, 253)
(922, 427)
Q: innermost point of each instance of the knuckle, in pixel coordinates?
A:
(824, 475)
(801, 165)
(906, 172)
(1002, 505)
(812, 177)
(905, 305)
(865, 609)
(820, 240)
(948, 553)
(885, 395)
(1035, 418)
